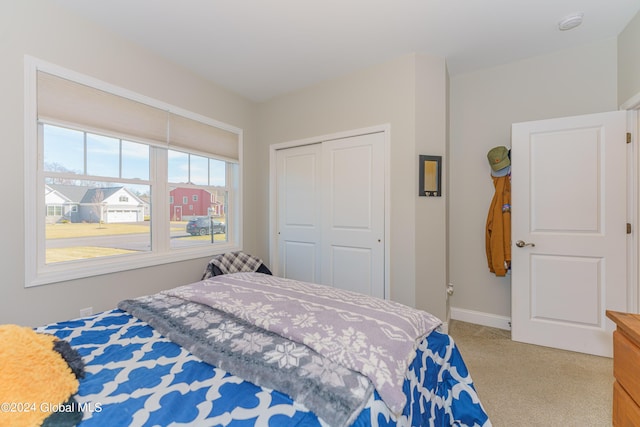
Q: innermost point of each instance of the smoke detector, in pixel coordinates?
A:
(570, 21)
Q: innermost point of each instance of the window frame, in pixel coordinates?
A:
(36, 271)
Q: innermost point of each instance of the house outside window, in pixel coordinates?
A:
(94, 179)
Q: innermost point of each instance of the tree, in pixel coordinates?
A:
(96, 200)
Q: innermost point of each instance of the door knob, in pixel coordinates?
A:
(522, 244)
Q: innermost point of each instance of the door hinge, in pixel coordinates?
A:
(628, 137)
(628, 228)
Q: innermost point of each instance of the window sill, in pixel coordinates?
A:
(84, 269)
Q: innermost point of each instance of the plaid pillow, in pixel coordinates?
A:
(232, 262)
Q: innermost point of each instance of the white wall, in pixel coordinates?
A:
(409, 94)
(40, 29)
(484, 104)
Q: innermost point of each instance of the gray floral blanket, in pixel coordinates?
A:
(334, 393)
(375, 337)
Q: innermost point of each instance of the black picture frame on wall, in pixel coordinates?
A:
(430, 176)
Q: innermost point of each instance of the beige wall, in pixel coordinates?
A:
(407, 93)
(484, 104)
(41, 30)
(629, 61)
(379, 95)
(431, 123)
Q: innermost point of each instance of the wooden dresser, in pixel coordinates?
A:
(626, 369)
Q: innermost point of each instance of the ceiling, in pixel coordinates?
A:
(265, 48)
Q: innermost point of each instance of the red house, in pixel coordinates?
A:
(186, 203)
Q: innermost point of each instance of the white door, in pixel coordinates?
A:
(299, 212)
(569, 200)
(353, 219)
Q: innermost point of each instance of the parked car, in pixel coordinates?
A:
(200, 226)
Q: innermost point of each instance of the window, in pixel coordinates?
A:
(54, 210)
(105, 173)
(197, 178)
(91, 170)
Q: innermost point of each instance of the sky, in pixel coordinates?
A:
(102, 156)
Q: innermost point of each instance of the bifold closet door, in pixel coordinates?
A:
(331, 213)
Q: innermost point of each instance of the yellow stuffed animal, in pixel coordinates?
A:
(35, 379)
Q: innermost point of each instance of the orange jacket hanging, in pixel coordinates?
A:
(498, 234)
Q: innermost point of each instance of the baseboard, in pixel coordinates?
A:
(480, 318)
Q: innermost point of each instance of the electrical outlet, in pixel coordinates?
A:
(450, 289)
(84, 312)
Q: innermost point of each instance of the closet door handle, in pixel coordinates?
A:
(522, 244)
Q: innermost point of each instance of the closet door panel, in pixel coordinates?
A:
(353, 213)
(299, 212)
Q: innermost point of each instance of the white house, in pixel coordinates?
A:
(90, 204)
(58, 205)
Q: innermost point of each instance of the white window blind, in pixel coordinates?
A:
(196, 135)
(66, 101)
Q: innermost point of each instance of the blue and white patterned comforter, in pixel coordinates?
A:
(137, 377)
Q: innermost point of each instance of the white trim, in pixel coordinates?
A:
(632, 103)
(273, 211)
(632, 106)
(329, 137)
(480, 318)
(273, 214)
(126, 262)
(30, 180)
(632, 212)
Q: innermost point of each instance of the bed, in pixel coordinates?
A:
(249, 348)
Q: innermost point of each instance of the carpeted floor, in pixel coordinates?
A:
(526, 385)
